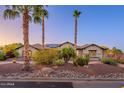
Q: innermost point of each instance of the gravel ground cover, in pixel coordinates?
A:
(66, 71)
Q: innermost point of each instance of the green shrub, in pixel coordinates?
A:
(87, 59)
(10, 54)
(67, 53)
(109, 61)
(2, 57)
(81, 61)
(58, 62)
(75, 62)
(16, 54)
(45, 56)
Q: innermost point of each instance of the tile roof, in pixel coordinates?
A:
(87, 45)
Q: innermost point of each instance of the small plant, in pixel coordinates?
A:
(87, 59)
(14, 61)
(45, 56)
(81, 61)
(59, 62)
(109, 61)
(2, 57)
(10, 54)
(67, 53)
(16, 54)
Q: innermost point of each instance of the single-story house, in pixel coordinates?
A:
(35, 47)
(66, 44)
(39, 46)
(31, 50)
(94, 51)
(62, 45)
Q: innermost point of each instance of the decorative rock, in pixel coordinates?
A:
(55, 67)
(47, 70)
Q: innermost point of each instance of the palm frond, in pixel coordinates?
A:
(37, 19)
(35, 11)
(30, 18)
(10, 14)
(76, 13)
(40, 11)
(45, 13)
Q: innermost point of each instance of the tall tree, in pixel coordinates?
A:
(76, 14)
(15, 11)
(40, 13)
(116, 51)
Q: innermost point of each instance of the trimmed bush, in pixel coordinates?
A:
(67, 53)
(16, 54)
(87, 59)
(81, 61)
(45, 56)
(109, 61)
(58, 62)
(10, 55)
(2, 57)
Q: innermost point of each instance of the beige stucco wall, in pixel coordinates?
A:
(20, 50)
(99, 51)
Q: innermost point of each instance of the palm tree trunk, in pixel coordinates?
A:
(75, 34)
(26, 39)
(43, 34)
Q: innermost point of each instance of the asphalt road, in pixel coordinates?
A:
(18, 84)
(61, 84)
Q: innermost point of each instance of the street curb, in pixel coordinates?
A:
(57, 80)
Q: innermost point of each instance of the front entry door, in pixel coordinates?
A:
(92, 53)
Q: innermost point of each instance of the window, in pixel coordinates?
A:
(92, 53)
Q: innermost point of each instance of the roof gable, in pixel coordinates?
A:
(29, 46)
(66, 43)
(88, 45)
(52, 45)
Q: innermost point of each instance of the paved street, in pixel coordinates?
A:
(11, 84)
(61, 84)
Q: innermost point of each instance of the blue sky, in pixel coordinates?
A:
(102, 25)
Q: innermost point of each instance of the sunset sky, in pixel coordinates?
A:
(102, 25)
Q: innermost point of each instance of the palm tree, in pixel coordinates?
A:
(40, 13)
(76, 14)
(13, 12)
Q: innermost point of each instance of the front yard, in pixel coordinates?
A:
(54, 64)
(66, 71)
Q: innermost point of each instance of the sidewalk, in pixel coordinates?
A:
(121, 65)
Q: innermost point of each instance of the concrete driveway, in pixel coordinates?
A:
(98, 84)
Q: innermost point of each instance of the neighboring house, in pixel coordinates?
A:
(1, 51)
(31, 50)
(66, 44)
(93, 50)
